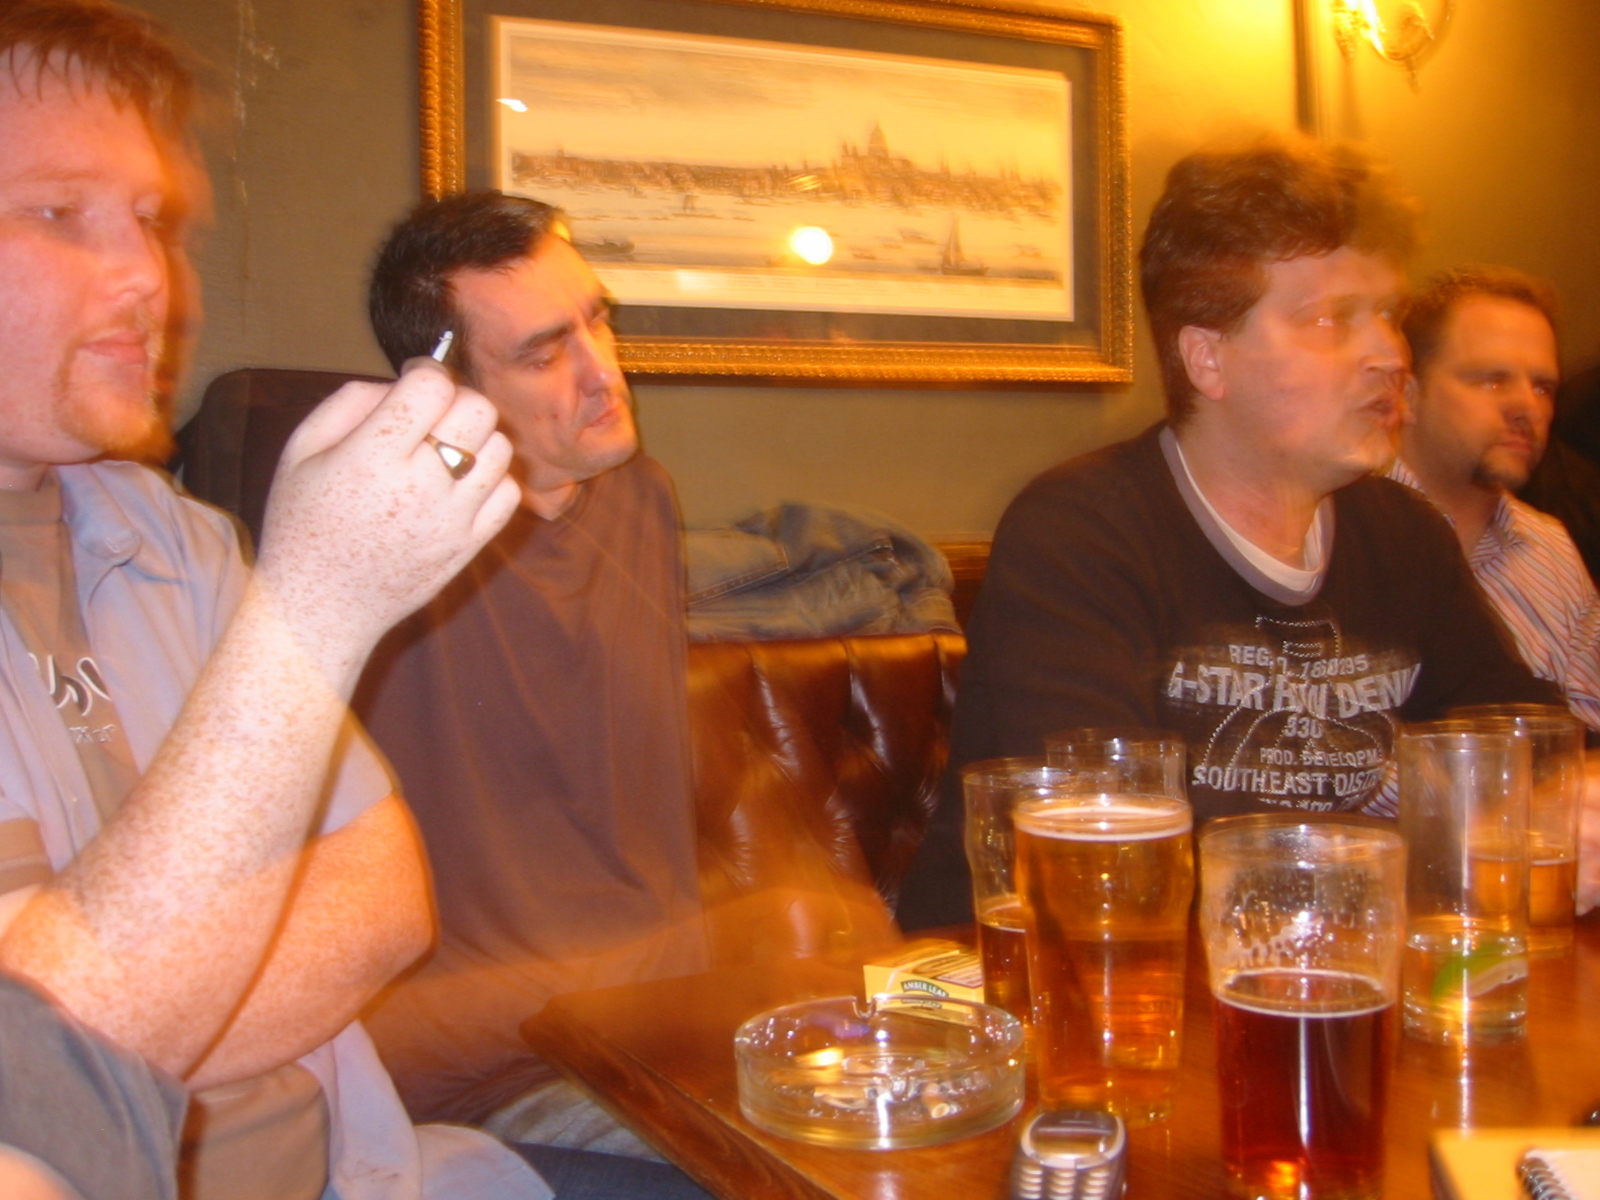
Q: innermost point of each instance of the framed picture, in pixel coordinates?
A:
(824, 191)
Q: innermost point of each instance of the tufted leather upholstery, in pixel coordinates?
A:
(817, 767)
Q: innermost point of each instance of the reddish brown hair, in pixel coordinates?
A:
(1224, 215)
(126, 52)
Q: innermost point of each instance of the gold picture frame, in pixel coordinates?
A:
(1089, 343)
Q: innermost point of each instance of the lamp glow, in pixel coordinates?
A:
(513, 104)
(1368, 15)
(1406, 39)
(812, 244)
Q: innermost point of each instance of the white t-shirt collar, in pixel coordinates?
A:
(1296, 584)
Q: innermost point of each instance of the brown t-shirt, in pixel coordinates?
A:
(537, 716)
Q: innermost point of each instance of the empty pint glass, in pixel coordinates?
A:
(1302, 920)
(1143, 762)
(1106, 884)
(1555, 738)
(1464, 813)
(992, 790)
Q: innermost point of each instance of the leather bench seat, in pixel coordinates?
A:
(817, 767)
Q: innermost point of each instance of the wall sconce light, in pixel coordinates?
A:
(1408, 37)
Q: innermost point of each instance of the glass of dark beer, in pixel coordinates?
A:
(1303, 921)
(992, 789)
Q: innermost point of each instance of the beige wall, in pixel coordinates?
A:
(318, 156)
(313, 153)
(1501, 137)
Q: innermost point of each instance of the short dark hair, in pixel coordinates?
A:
(411, 300)
(1428, 309)
(1224, 215)
(126, 52)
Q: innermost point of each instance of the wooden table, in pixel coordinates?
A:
(660, 1056)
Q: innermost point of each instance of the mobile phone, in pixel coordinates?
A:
(1070, 1154)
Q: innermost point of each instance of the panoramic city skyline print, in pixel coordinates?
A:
(687, 164)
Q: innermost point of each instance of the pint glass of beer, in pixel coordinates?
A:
(1106, 884)
(992, 790)
(1555, 737)
(1303, 920)
(1464, 813)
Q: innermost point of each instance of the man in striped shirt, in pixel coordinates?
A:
(1484, 374)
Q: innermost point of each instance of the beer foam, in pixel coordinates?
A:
(1347, 995)
(1104, 818)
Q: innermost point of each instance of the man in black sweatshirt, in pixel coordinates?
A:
(1237, 573)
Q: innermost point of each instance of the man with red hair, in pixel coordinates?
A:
(200, 857)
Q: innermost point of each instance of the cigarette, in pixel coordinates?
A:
(456, 460)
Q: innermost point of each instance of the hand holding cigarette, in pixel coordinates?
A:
(362, 526)
(456, 460)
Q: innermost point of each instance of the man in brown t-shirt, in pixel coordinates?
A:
(558, 819)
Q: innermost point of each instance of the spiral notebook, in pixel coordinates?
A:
(1517, 1164)
(1548, 1174)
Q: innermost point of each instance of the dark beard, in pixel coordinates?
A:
(1496, 479)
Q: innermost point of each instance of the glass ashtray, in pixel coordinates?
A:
(892, 1072)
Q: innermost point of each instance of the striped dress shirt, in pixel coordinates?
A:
(1529, 568)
